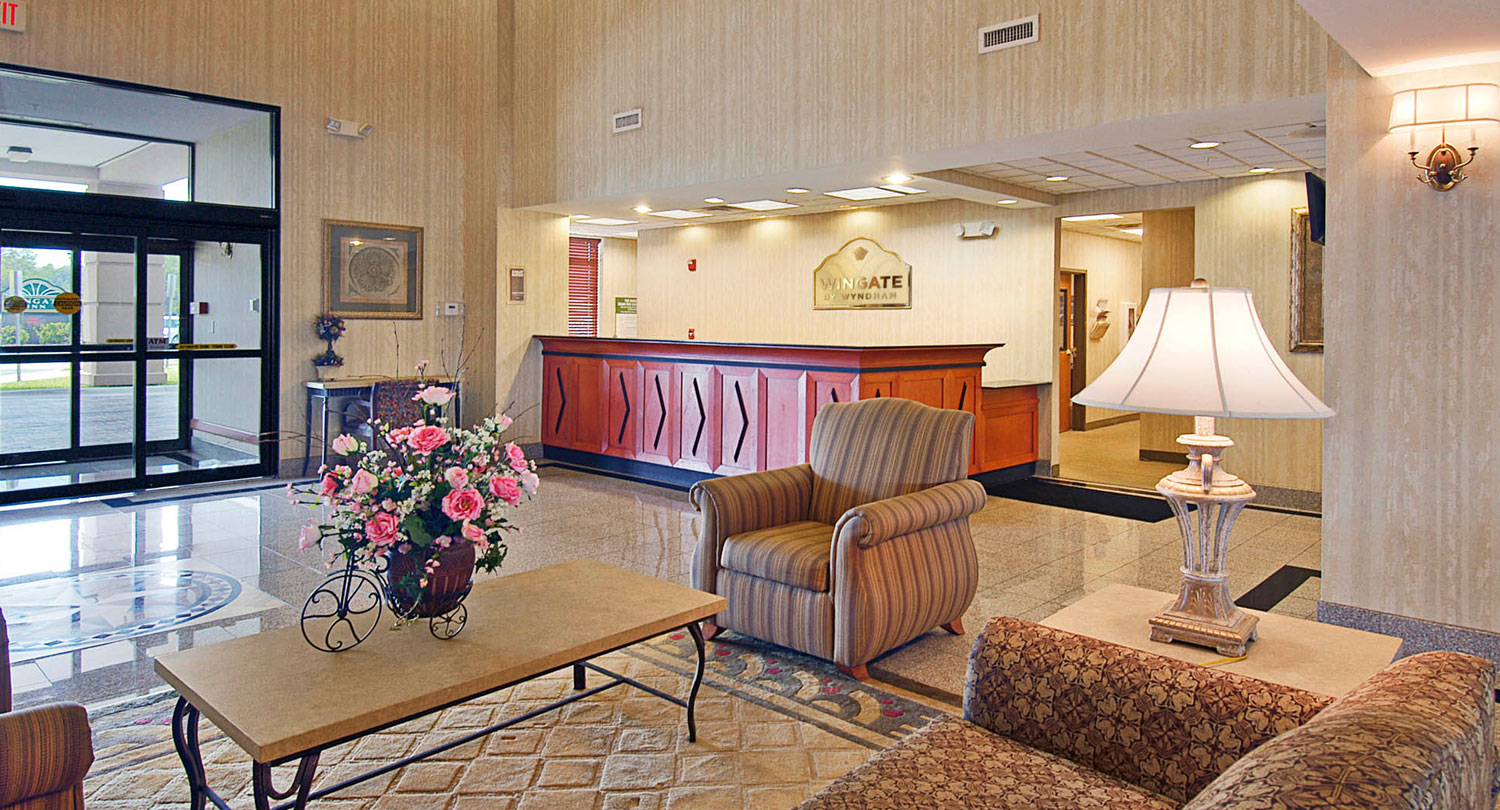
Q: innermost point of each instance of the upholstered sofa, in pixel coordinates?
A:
(1057, 720)
(44, 751)
(860, 550)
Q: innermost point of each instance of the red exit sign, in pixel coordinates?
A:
(12, 15)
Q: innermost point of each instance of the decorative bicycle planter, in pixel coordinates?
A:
(346, 607)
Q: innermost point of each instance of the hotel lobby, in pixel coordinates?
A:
(653, 405)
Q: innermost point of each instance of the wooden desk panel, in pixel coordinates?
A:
(672, 410)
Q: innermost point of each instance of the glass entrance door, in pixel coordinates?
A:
(131, 359)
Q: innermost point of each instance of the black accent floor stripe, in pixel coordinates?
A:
(1087, 499)
(125, 502)
(1276, 587)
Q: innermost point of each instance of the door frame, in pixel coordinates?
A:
(1078, 376)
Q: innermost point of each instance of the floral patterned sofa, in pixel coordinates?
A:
(1057, 720)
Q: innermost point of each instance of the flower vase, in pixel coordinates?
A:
(446, 587)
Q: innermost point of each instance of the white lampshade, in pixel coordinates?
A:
(1471, 104)
(1201, 351)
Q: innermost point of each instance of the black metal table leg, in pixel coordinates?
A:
(580, 678)
(323, 438)
(692, 700)
(185, 739)
(265, 789)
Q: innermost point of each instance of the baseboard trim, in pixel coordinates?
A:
(1417, 635)
(614, 466)
(1164, 456)
(1111, 421)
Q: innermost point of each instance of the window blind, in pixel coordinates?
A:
(583, 287)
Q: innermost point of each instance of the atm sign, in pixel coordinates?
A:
(12, 15)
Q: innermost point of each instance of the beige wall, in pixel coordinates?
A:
(753, 284)
(616, 280)
(434, 79)
(1114, 272)
(1410, 504)
(757, 87)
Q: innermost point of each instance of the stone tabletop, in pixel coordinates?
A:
(1322, 658)
(277, 696)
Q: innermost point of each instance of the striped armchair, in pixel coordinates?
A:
(44, 751)
(857, 552)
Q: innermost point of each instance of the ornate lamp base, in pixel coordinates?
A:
(1206, 501)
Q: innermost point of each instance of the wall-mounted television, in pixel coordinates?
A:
(1316, 205)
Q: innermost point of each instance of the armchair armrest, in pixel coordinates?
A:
(743, 503)
(1158, 723)
(873, 523)
(43, 750)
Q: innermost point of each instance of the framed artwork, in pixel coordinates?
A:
(1307, 287)
(1132, 314)
(372, 271)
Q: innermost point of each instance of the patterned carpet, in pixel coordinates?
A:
(774, 727)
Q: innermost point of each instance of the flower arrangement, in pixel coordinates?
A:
(427, 489)
(328, 328)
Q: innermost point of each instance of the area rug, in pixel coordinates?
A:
(773, 729)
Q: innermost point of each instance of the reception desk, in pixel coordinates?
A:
(679, 411)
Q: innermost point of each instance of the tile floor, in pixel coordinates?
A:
(1033, 560)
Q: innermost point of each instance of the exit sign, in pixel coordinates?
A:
(12, 15)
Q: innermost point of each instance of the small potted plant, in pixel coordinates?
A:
(328, 362)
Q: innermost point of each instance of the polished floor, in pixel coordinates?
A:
(1033, 560)
(1109, 455)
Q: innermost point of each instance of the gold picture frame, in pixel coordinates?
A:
(372, 271)
(1306, 287)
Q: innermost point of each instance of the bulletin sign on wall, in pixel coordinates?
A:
(862, 275)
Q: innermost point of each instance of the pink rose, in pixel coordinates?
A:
(307, 537)
(383, 529)
(463, 504)
(434, 395)
(398, 436)
(345, 444)
(364, 482)
(328, 486)
(427, 438)
(529, 481)
(516, 457)
(505, 489)
(503, 421)
(457, 477)
(472, 533)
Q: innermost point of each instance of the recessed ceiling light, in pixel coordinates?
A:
(678, 213)
(607, 221)
(797, 190)
(1203, 144)
(762, 205)
(863, 193)
(1262, 170)
(1058, 178)
(898, 179)
(1092, 218)
(1137, 230)
(714, 200)
(905, 189)
(1006, 202)
(643, 209)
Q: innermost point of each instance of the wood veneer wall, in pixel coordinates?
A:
(1411, 295)
(1167, 260)
(435, 80)
(764, 86)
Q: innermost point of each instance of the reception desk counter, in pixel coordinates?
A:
(679, 411)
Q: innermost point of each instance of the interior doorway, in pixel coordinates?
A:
(1072, 356)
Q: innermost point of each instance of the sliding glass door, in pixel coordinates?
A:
(132, 356)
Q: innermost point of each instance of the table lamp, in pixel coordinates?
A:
(1200, 351)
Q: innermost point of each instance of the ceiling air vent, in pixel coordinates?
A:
(1008, 35)
(626, 121)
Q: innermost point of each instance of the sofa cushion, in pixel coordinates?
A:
(795, 554)
(958, 765)
(1417, 735)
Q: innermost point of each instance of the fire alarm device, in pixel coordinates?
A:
(692, 334)
(692, 265)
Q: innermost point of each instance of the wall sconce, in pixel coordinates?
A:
(1438, 108)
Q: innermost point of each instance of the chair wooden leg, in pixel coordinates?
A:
(956, 627)
(710, 630)
(858, 673)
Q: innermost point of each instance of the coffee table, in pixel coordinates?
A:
(283, 701)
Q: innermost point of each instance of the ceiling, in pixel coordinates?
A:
(1172, 160)
(65, 147)
(1387, 37)
(29, 97)
(1108, 227)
